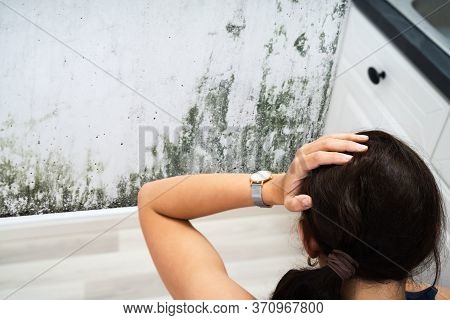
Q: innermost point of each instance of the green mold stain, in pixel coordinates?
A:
(326, 90)
(47, 185)
(234, 29)
(154, 151)
(178, 155)
(277, 33)
(281, 30)
(210, 111)
(38, 186)
(333, 45)
(279, 8)
(269, 48)
(300, 44)
(271, 119)
(216, 103)
(340, 8)
(33, 184)
(322, 45)
(126, 191)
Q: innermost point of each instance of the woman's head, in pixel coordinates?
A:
(383, 208)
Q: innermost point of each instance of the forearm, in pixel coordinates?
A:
(189, 197)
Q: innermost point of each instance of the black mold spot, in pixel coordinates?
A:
(279, 8)
(300, 44)
(281, 30)
(269, 48)
(234, 29)
(322, 46)
(340, 9)
(326, 90)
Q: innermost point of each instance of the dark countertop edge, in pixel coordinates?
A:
(428, 57)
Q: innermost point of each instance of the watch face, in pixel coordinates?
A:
(260, 176)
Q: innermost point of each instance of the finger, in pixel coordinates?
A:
(347, 136)
(320, 158)
(298, 203)
(331, 144)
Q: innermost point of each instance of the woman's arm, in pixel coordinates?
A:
(188, 264)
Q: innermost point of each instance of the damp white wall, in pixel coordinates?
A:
(81, 81)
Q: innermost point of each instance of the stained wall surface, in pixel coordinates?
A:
(97, 97)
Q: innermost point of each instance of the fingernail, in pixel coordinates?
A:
(347, 156)
(306, 204)
(363, 136)
(362, 147)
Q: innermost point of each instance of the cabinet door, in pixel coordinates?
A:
(441, 155)
(354, 105)
(350, 113)
(345, 114)
(404, 103)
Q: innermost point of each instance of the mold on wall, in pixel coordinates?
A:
(237, 24)
(301, 45)
(236, 90)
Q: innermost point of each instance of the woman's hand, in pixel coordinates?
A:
(325, 150)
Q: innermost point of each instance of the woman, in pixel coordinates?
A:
(372, 215)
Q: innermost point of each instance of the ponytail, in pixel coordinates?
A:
(317, 284)
(309, 284)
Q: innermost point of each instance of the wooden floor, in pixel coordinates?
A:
(102, 254)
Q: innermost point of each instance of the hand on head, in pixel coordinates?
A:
(325, 150)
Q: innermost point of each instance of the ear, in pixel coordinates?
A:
(310, 244)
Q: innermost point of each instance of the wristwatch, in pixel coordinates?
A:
(257, 180)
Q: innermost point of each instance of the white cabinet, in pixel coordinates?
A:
(441, 155)
(404, 103)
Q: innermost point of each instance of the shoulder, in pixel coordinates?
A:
(415, 287)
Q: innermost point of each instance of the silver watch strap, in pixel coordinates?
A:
(257, 196)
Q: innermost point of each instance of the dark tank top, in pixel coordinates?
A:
(427, 294)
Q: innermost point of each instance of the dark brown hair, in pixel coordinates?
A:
(383, 208)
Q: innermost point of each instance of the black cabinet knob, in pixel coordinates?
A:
(375, 76)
